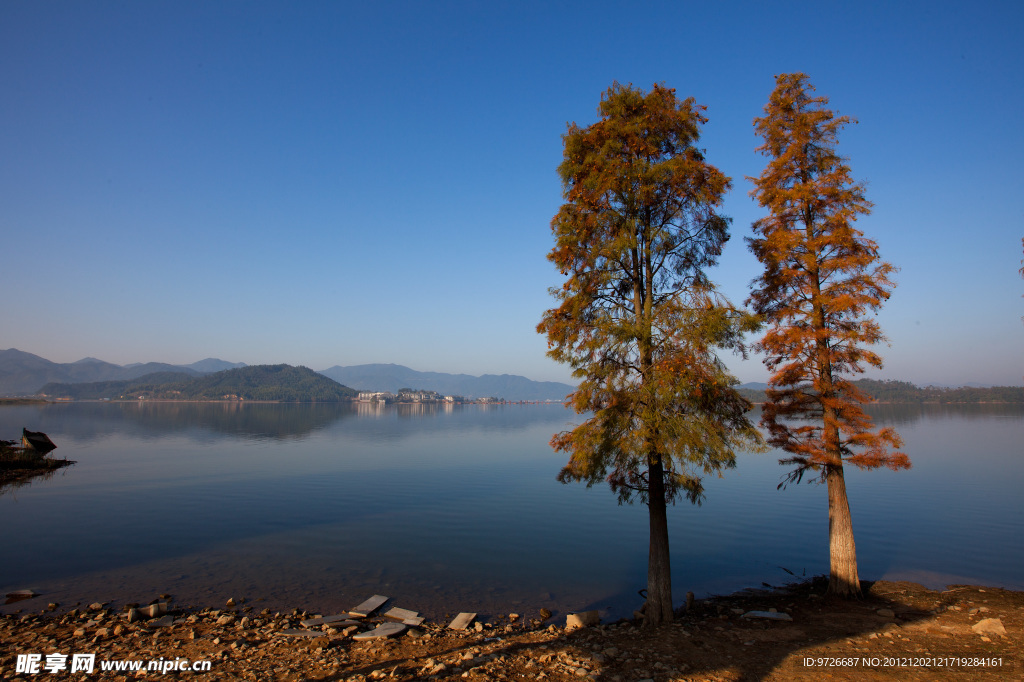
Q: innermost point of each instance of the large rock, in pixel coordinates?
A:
(165, 622)
(153, 610)
(989, 626)
(582, 620)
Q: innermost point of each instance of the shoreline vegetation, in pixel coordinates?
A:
(286, 384)
(279, 383)
(257, 383)
(893, 392)
(899, 631)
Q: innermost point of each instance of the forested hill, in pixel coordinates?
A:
(906, 392)
(282, 383)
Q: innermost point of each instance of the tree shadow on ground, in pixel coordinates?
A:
(713, 641)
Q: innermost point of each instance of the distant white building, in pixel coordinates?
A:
(376, 396)
(418, 396)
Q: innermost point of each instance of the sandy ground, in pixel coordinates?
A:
(900, 631)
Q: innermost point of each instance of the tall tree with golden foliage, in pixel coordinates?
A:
(639, 320)
(822, 279)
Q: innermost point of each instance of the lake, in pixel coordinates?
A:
(456, 508)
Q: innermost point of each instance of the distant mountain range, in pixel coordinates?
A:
(207, 366)
(282, 383)
(23, 373)
(393, 377)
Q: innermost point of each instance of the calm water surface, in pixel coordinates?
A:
(320, 506)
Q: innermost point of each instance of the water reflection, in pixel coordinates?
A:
(91, 421)
(895, 415)
(451, 506)
(11, 481)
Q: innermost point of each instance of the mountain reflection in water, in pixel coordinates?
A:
(450, 508)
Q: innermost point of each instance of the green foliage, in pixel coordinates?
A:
(905, 392)
(96, 390)
(281, 383)
(639, 320)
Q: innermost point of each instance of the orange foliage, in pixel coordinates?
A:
(822, 279)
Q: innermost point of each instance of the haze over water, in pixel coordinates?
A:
(320, 506)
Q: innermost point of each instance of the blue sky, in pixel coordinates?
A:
(345, 183)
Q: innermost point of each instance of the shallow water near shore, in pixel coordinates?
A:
(445, 510)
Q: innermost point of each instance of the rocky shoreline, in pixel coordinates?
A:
(899, 631)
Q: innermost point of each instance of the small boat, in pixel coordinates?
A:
(37, 441)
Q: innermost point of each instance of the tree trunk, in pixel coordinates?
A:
(659, 570)
(843, 579)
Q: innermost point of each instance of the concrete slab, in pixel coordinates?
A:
(381, 631)
(462, 621)
(292, 632)
(401, 614)
(342, 618)
(369, 606)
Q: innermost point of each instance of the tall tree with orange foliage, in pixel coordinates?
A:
(639, 320)
(821, 280)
